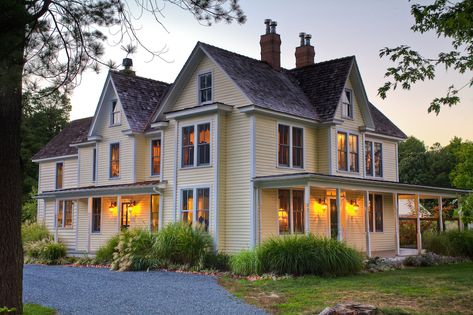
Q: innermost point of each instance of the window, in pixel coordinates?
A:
(187, 207)
(203, 207)
(94, 164)
(342, 151)
(205, 88)
(376, 213)
(114, 160)
(198, 144)
(155, 157)
(203, 144)
(354, 160)
(115, 117)
(369, 158)
(291, 211)
(290, 146)
(378, 159)
(347, 104)
(374, 158)
(188, 146)
(64, 214)
(154, 212)
(59, 174)
(96, 214)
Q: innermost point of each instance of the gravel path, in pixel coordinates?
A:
(72, 290)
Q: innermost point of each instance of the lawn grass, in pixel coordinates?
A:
(35, 309)
(446, 289)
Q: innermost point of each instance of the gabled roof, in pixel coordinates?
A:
(140, 97)
(383, 125)
(75, 132)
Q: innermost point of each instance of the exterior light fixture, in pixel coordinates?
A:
(113, 205)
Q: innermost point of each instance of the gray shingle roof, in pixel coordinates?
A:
(75, 132)
(383, 125)
(139, 96)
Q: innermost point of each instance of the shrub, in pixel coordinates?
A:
(180, 244)
(45, 251)
(217, 261)
(134, 251)
(245, 263)
(31, 232)
(105, 253)
(430, 259)
(450, 243)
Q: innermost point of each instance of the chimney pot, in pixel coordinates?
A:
(305, 53)
(267, 22)
(127, 64)
(307, 39)
(270, 44)
(273, 27)
(302, 35)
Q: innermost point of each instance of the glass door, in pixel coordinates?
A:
(333, 219)
(126, 214)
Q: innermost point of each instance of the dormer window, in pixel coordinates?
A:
(205, 88)
(115, 117)
(347, 104)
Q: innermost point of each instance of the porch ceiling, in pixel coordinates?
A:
(353, 183)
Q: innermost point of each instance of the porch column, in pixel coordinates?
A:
(367, 223)
(419, 234)
(56, 210)
(307, 209)
(396, 221)
(339, 215)
(441, 214)
(460, 214)
(259, 214)
(89, 221)
(119, 212)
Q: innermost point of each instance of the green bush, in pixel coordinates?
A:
(134, 251)
(245, 263)
(105, 253)
(217, 261)
(45, 251)
(180, 244)
(31, 232)
(450, 243)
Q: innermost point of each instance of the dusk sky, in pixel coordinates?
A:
(338, 28)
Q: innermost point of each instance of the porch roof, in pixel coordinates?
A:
(145, 187)
(354, 183)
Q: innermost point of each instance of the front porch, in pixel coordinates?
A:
(366, 214)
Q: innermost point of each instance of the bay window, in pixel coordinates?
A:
(374, 158)
(290, 146)
(196, 146)
(354, 158)
(203, 144)
(348, 152)
(291, 211)
(188, 146)
(195, 207)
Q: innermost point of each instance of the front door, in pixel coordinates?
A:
(125, 215)
(333, 219)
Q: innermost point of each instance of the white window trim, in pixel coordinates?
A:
(110, 161)
(374, 176)
(55, 174)
(374, 213)
(291, 212)
(92, 216)
(348, 133)
(194, 202)
(196, 138)
(200, 73)
(352, 106)
(112, 122)
(291, 126)
(151, 156)
(75, 204)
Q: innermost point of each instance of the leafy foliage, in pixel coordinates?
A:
(450, 243)
(105, 253)
(44, 251)
(134, 251)
(449, 19)
(31, 232)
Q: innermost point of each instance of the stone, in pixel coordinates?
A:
(350, 309)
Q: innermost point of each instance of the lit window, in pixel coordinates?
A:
(378, 159)
(203, 144)
(376, 213)
(291, 214)
(354, 160)
(156, 157)
(187, 207)
(200, 210)
(369, 158)
(298, 211)
(115, 116)
(188, 146)
(347, 104)
(205, 88)
(290, 146)
(154, 213)
(96, 214)
(114, 160)
(59, 175)
(64, 214)
(342, 151)
(203, 207)
(283, 212)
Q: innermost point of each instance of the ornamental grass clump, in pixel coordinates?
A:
(245, 263)
(104, 254)
(31, 232)
(450, 243)
(134, 251)
(44, 251)
(181, 244)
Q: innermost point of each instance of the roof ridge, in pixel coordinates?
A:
(323, 63)
(78, 119)
(139, 77)
(232, 52)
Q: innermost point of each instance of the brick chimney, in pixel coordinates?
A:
(305, 53)
(271, 45)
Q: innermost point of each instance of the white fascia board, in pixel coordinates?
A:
(200, 110)
(160, 125)
(99, 105)
(82, 144)
(381, 136)
(251, 109)
(55, 158)
(94, 138)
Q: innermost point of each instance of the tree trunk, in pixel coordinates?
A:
(12, 32)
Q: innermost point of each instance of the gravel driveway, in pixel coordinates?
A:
(90, 291)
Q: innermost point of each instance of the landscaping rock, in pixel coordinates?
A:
(350, 309)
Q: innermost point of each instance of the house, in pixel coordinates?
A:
(242, 147)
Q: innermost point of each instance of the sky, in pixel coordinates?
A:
(339, 28)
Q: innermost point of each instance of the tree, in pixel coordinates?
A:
(447, 18)
(462, 175)
(53, 42)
